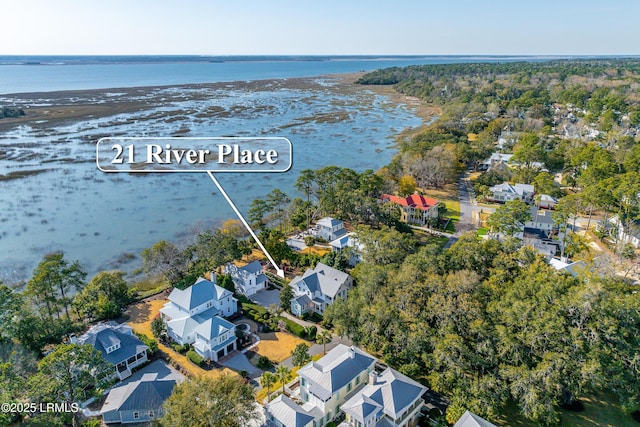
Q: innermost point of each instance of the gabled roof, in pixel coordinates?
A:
(415, 200)
(288, 413)
(518, 189)
(142, 395)
(469, 419)
(392, 391)
(360, 407)
(323, 278)
(302, 300)
(329, 222)
(252, 268)
(104, 336)
(333, 371)
(197, 294)
(213, 327)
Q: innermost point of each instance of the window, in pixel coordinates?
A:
(303, 382)
(348, 387)
(358, 380)
(151, 414)
(136, 415)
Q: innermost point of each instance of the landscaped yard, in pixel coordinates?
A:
(449, 196)
(262, 393)
(140, 316)
(277, 346)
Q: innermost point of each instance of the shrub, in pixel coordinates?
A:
(311, 332)
(264, 363)
(309, 241)
(149, 342)
(195, 357)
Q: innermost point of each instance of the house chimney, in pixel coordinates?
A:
(352, 352)
(213, 277)
(373, 378)
(73, 339)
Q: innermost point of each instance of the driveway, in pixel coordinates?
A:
(239, 362)
(266, 297)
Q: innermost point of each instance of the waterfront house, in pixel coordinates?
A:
(318, 288)
(118, 345)
(330, 228)
(194, 316)
(248, 279)
(469, 419)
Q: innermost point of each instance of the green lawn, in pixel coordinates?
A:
(600, 410)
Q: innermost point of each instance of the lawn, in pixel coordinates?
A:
(449, 196)
(140, 316)
(600, 410)
(277, 346)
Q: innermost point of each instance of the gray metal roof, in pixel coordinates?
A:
(333, 371)
(327, 221)
(287, 412)
(214, 327)
(129, 345)
(393, 391)
(140, 395)
(302, 300)
(469, 419)
(197, 294)
(252, 268)
(323, 278)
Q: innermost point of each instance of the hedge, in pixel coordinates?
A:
(294, 328)
(195, 357)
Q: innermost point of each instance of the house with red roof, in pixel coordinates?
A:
(415, 209)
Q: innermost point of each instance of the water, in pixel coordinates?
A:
(66, 73)
(69, 205)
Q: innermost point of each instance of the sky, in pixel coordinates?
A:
(323, 27)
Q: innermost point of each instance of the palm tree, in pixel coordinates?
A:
(267, 380)
(283, 374)
(323, 337)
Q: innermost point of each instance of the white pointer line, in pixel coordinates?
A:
(246, 224)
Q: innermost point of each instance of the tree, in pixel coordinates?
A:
(406, 185)
(528, 152)
(509, 218)
(104, 297)
(52, 281)
(158, 328)
(267, 380)
(286, 295)
(225, 401)
(323, 337)
(71, 374)
(283, 373)
(277, 201)
(257, 211)
(164, 258)
(300, 355)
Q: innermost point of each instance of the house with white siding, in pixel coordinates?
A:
(248, 279)
(195, 316)
(318, 288)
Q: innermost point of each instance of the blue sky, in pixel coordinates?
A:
(280, 27)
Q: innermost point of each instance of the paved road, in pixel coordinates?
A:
(467, 205)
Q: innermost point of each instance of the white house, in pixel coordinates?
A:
(496, 160)
(194, 316)
(318, 288)
(390, 399)
(345, 380)
(540, 220)
(330, 228)
(351, 243)
(324, 386)
(118, 345)
(248, 279)
(506, 192)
